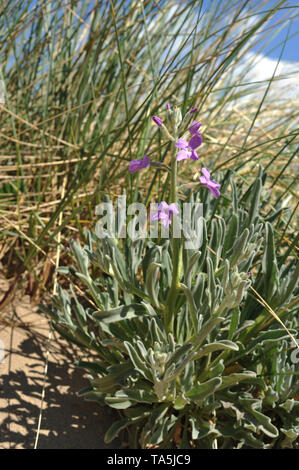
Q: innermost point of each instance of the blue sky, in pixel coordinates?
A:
(287, 27)
(273, 49)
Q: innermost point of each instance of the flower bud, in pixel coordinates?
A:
(177, 117)
(157, 121)
(174, 118)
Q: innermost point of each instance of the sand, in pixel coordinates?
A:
(68, 422)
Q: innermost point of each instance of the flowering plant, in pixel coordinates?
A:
(182, 349)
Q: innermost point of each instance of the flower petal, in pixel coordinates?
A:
(163, 212)
(182, 155)
(134, 165)
(195, 141)
(138, 164)
(194, 126)
(214, 184)
(173, 208)
(206, 173)
(182, 144)
(162, 206)
(145, 161)
(154, 216)
(214, 191)
(166, 221)
(194, 155)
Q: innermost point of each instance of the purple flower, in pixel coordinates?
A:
(193, 110)
(193, 128)
(188, 148)
(168, 107)
(212, 185)
(164, 212)
(138, 164)
(157, 121)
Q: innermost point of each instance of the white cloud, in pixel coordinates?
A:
(286, 80)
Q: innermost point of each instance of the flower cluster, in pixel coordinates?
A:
(187, 150)
(164, 212)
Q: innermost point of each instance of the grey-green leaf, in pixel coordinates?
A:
(202, 391)
(125, 312)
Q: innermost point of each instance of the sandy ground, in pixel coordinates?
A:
(68, 422)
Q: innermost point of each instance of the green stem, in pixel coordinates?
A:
(176, 253)
(174, 177)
